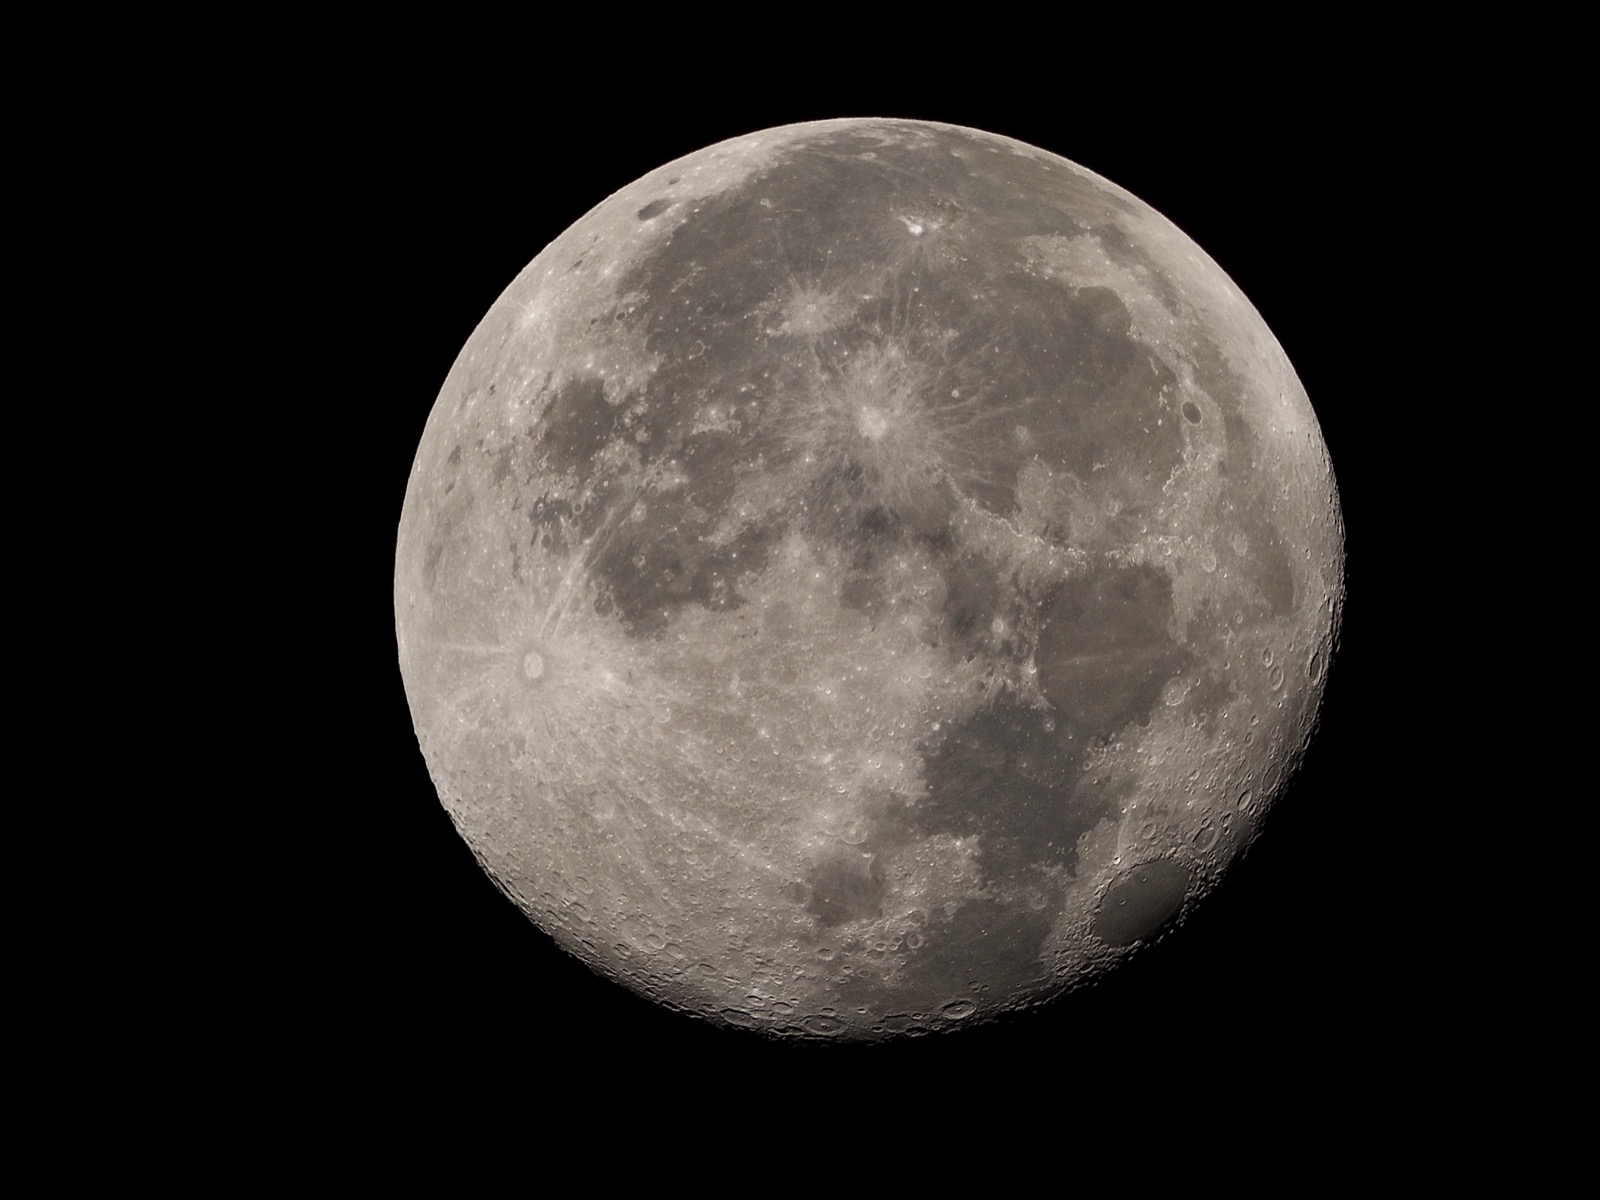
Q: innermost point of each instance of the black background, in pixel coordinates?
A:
(1293, 977)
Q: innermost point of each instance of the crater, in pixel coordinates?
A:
(810, 312)
(1141, 903)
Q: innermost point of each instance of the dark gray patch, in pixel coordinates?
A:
(430, 563)
(993, 944)
(578, 424)
(892, 818)
(1104, 650)
(654, 209)
(649, 576)
(861, 593)
(975, 593)
(718, 570)
(551, 518)
(1272, 572)
(875, 537)
(653, 570)
(1191, 412)
(1059, 361)
(443, 539)
(1141, 903)
(1101, 383)
(1004, 776)
(878, 525)
(845, 504)
(1153, 273)
(845, 886)
(714, 458)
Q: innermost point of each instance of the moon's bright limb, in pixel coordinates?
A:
(866, 576)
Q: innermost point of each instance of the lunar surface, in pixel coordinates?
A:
(866, 577)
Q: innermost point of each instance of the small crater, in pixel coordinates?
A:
(1191, 412)
(958, 1010)
(826, 1026)
(654, 209)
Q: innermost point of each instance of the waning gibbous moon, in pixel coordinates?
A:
(866, 577)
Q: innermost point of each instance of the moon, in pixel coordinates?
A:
(866, 578)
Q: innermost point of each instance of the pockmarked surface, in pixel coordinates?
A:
(866, 577)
